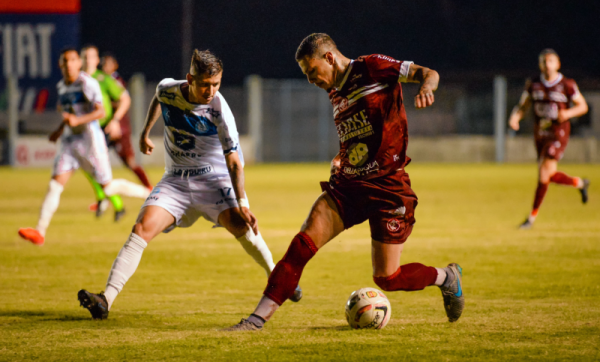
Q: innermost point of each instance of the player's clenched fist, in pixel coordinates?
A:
(424, 99)
(146, 145)
(70, 119)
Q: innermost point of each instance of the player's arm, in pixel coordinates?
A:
(520, 109)
(117, 93)
(236, 172)
(579, 108)
(55, 135)
(429, 80)
(73, 120)
(146, 145)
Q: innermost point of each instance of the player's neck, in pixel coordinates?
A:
(91, 70)
(550, 77)
(342, 65)
(188, 95)
(70, 79)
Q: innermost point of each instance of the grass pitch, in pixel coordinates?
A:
(530, 295)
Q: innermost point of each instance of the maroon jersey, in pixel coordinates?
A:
(548, 98)
(370, 118)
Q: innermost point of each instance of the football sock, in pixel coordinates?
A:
(414, 276)
(256, 247)
(265, 309)
(449, 278)
(286, 275)
(257, 320)
(532, 216)
(115, 200)
(126, 188)
(540, 192)
(564, 179)
(441, 276)
(141, 174)
(49, 206)
(124, 266)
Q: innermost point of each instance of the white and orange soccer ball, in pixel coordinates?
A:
(368, 308)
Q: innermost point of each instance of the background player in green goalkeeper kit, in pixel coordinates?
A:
(111, 91)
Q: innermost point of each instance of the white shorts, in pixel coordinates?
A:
(79, 151)
(188, 199)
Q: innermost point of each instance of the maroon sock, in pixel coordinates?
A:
(564, 179)
(286, 275)
(139, 171)
(414, 276)
(540, 192)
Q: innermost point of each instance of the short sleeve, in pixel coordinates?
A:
(226, 127)
(91, 89)
(386, 69)
(572, 90)
(114, 89)
(162, 87)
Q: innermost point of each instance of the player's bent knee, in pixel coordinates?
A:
(145, 231)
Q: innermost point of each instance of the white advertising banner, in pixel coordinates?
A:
(34, 152)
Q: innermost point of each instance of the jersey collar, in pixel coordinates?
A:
(346, 75)
(553, 83)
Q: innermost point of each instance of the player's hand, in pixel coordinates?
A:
(513, 122)
(424, 99)
(70, 119)
(335, 164)
(249, 218)
(54, 136)
(146, 145)
(563, 115)
(113, 130)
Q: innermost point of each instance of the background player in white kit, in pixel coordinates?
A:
(204, 175)
(82, 142)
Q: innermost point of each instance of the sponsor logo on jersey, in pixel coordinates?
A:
(355, 77)
(358, 171)
(358, 154)
(167, 95)
(355, 126)
(182, 139)
(192, 172)
(393, 225)
(385, 57)
(538, 95)
(343, 105)
(211, 111)
(546, 110)
(557, 97)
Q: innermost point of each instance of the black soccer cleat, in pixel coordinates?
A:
(101, 207)
(454, 299)
(584, 190)
(95, 303)
(243, 325)
(526, 225)
(297, 295)
(119, 214)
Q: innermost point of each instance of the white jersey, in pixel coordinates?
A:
(197, 136)
(79, 98)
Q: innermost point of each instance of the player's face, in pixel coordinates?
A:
(70, 64)
(549, 64)
(318, 71)
(91, 58)
(204, 87)
(109, 65)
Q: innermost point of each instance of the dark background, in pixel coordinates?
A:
(261, 37)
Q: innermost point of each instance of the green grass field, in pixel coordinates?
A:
(530, 295)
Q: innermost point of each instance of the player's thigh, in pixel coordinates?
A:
(385, 258)
(65, 163)
(323, 222)
(63, 178)
(93, 158)
(231, 220)
(151, 221)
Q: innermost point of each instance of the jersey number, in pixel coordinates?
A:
(225, 191)
(358, 154)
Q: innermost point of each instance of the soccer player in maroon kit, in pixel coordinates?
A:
(368, 180)
(551, 93)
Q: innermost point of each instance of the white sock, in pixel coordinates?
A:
(124, 266)
(256, 247)
(579, 182)
(266, 308)
(49, 206)
(126, 188)
(441, 277)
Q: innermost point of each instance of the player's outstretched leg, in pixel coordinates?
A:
(582, 185)
(124, 188)
(95, 303)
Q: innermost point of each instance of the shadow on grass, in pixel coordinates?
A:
(42, 316)
(331, 328)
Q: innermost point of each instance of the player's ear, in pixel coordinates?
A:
(189, 78)
(329, 58)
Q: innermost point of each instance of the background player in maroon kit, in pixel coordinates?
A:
(551, 93)
(122, 143)
(368, 180)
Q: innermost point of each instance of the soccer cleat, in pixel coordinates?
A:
(584, 190)
(95, 303)
(297, 295)
(526, 225)
(99, 207)
(32, 235)
(243, 325)
(119, 214)
(454, 299)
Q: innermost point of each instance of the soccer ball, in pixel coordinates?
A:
(368, 308)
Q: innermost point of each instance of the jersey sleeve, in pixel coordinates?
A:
(91, 90)
(386, 69)
(572, 90)
(162, 88)
(113, 88)
(226, 127)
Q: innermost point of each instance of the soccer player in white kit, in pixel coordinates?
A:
(82, 143)
(204, 175)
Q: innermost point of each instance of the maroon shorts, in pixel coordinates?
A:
(123, 145)
(553, 148)
(387, 202)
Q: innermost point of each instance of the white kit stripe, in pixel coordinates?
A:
(366, 93)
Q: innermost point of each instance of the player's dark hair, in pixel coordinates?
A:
(108, 54)
(312, 43)
(64, 50)
(547, 51)
(89, 46)
(205, 62)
